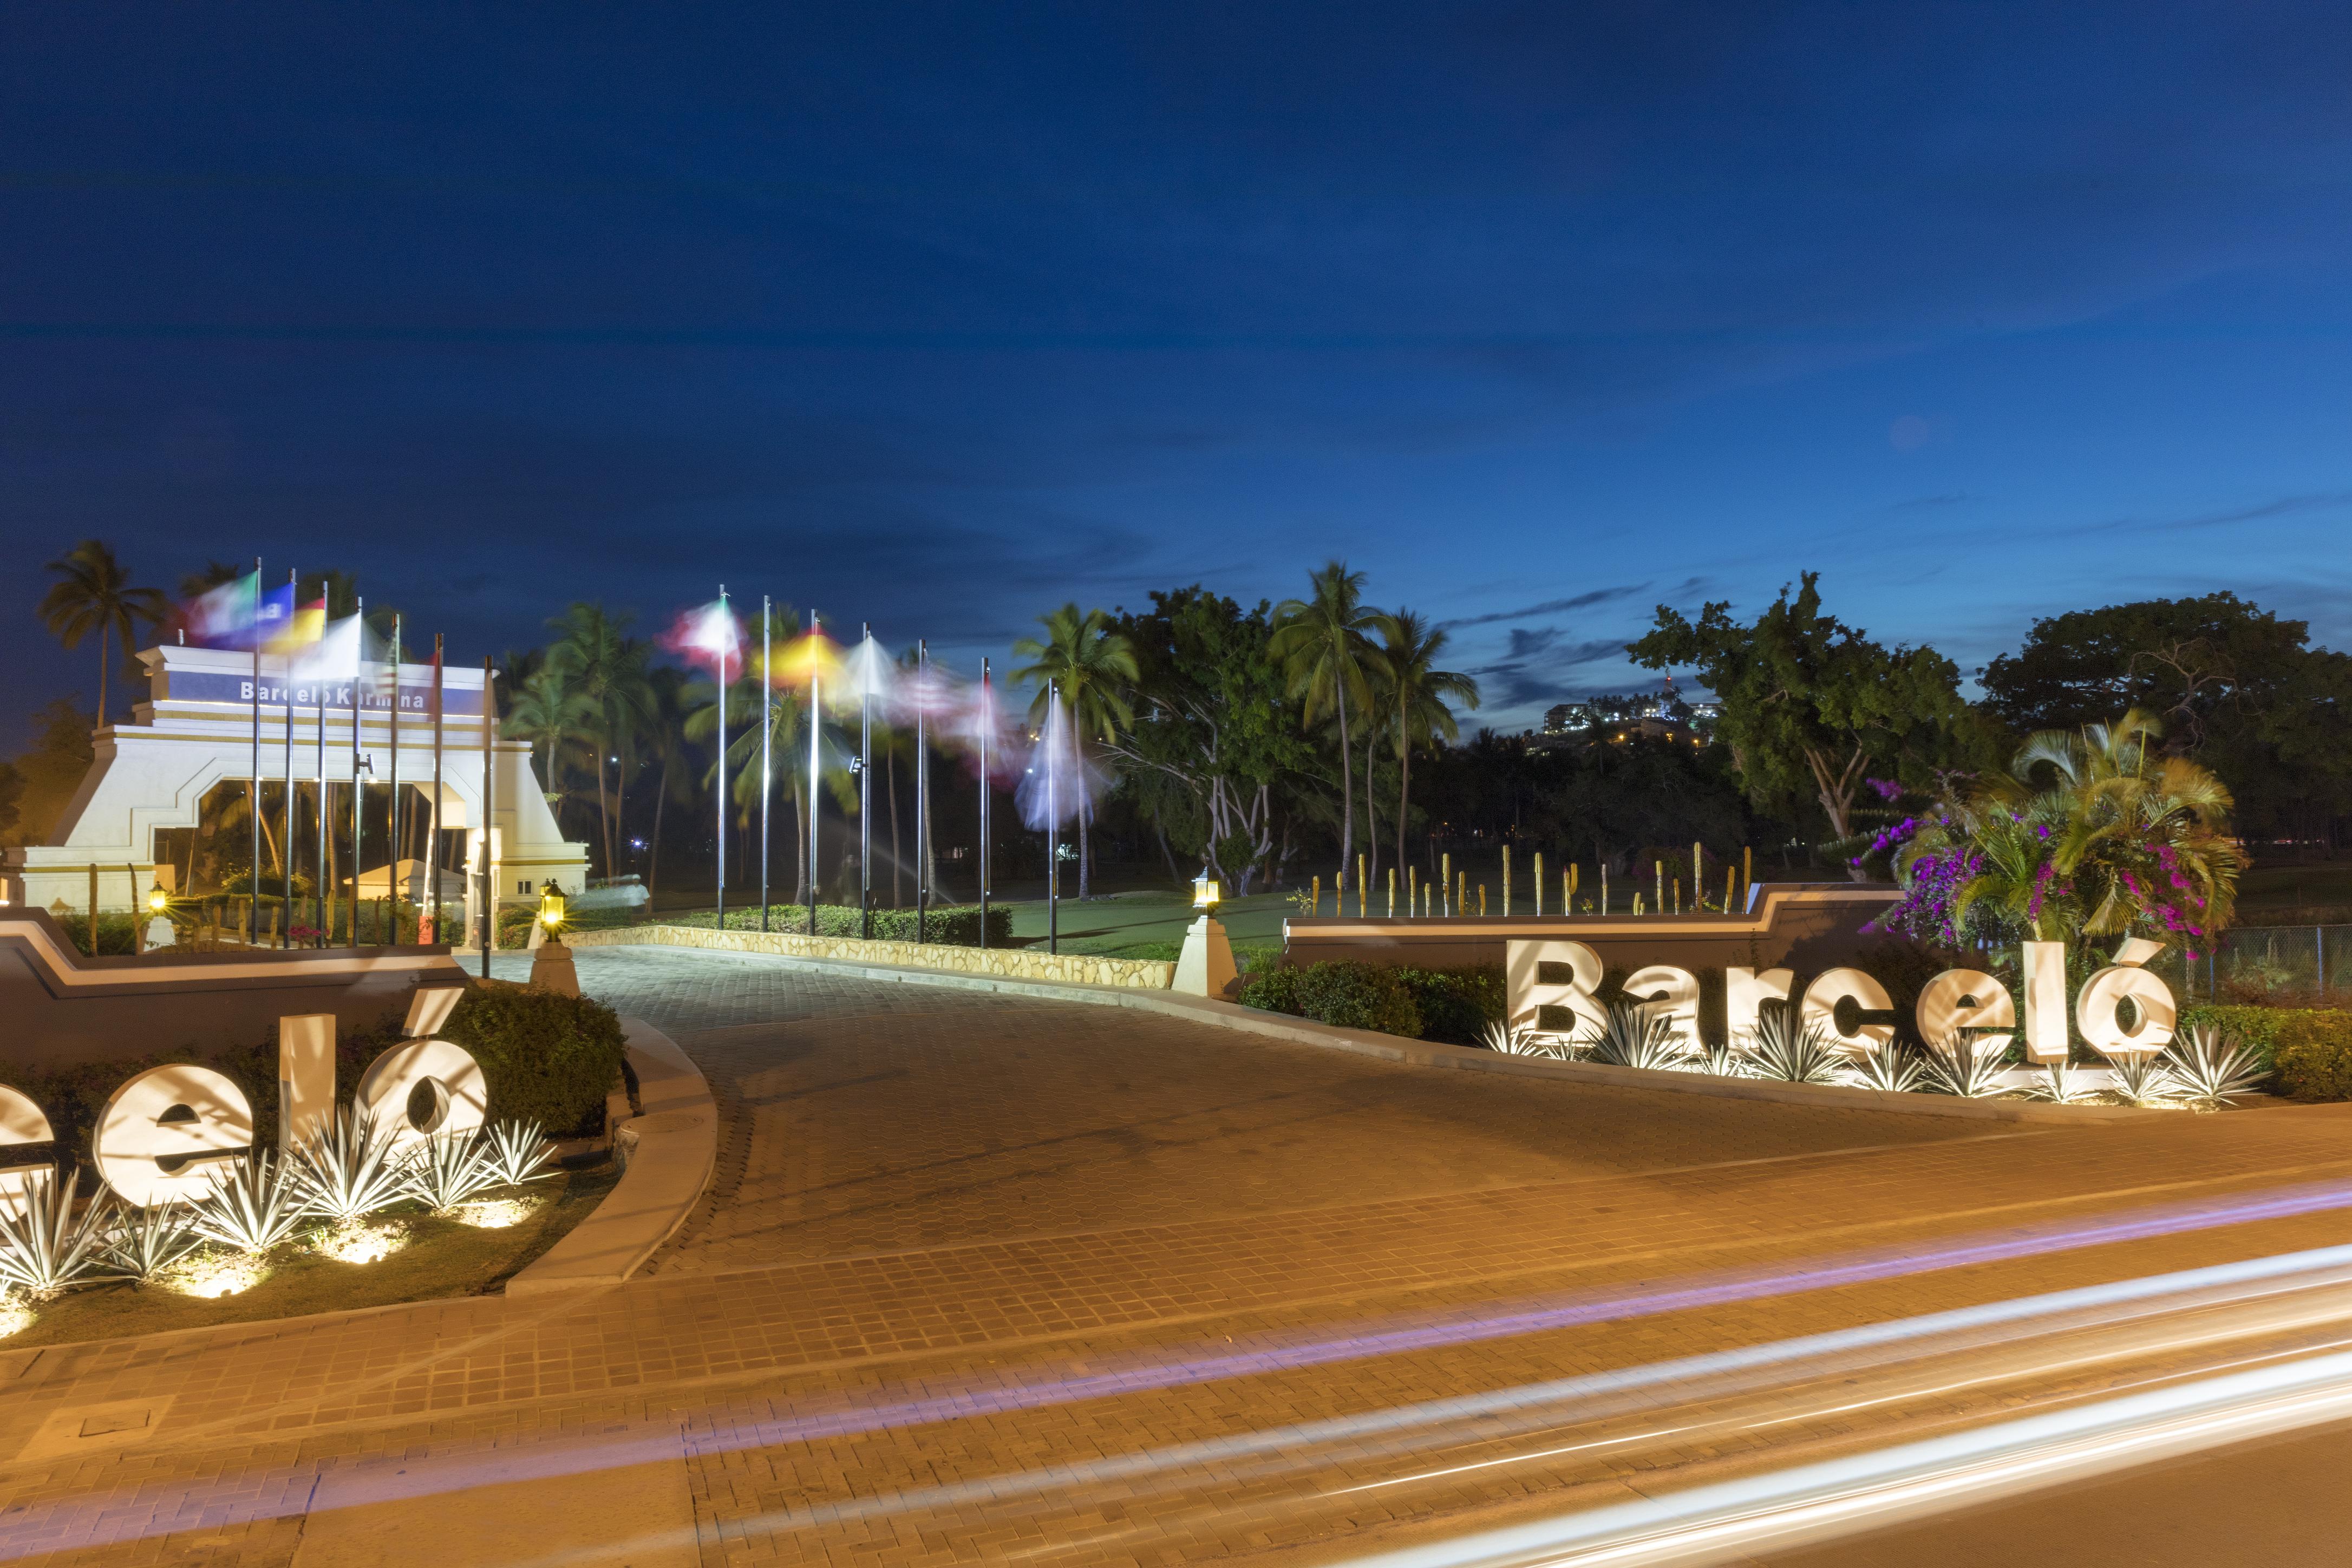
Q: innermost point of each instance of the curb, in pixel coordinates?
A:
(667, 1157)
(1466, 1058)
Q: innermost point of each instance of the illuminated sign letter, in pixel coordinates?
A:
(1961, 999)
(421, 1089)
(21, 1121)
(1819, 1008)
(2096, 1004)
(306, 1077)
(2045, 1000)
(1531, 993)
(163, 1131)
(1744, 992)
(1670, 993)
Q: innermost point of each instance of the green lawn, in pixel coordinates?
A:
(1148, 924)
(2284, 890)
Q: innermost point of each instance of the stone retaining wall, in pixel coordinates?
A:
(1002, 963)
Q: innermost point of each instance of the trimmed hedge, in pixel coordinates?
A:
(951, 925)
(548, 1058)
(2312, 1050)
(1452, 1005)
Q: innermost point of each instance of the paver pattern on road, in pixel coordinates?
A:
(972, 1210)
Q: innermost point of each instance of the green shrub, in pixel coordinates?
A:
(950, 925)
(2311, 1048)
(548, 1058)
(1271, 990)
(2256, 1028)
(1349, 994)
(1458, 1004)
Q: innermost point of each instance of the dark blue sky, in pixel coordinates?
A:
(940, 315)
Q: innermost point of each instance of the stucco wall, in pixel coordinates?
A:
(1007, 963)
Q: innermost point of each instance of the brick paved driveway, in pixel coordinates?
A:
(871, 1117)
(960, 1240)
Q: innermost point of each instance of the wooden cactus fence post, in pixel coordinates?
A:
(1506, 885)
(1445, 867)
(1539, 884)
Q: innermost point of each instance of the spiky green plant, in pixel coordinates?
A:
(517, 1152)
(2145, 1080)
(1955, 1065)
(1786, 1049)
(1721, 1058)
(1634, 1036)
(346, 1170)
(44, 1247)
(1522, 1042)
(1894, 1071)
(443, 1172)
(145, 1243)
(2064, 1084)
(2212, 1069)
(253, 1205)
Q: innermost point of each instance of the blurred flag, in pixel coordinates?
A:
(709, 637)
(305, 625)
(334, 656)
(810, 656)
(224, 618)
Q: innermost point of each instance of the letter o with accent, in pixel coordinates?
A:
(424, 1089)
(2096, 1011)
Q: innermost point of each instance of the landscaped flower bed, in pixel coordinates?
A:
(345, 1221)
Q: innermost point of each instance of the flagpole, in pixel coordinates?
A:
(767, 739)
(987, 722)
(866, 787)
(252, 904)
(435, 854)
(1052, 828)
(391, 807)
(358, 793)
(922, 792)
(721, 785)
(489, 817)
(294, 592)
(816, 728)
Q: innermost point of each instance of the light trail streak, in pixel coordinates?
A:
(1887, 1486)
(995, 1393)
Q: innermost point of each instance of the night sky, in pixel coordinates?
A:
(938, 316)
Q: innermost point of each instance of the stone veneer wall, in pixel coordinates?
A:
(1009, 963)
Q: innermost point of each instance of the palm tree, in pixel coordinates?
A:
(1320, 639)
(1418, 692)
(550, 712)
(1093, 668)
(94, 594)
(608, 668)
(664, 736)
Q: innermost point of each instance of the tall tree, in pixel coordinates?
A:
(1093, 668)
(1419, 694)
(551, 713)
(1322, 643)
(94, 593)
(1808, 700)
(608, 669)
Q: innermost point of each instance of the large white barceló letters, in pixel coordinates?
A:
(1664, 990)
(1744, 992)
(1530, 993)
(306, 1077)
(2045, 1000)
(21, 1122)
(1820, 1005)
(165, 1131)
(424, 1089)
(2095, 1005)
(1960, 999)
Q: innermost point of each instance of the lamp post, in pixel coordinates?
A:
(1205, 966)
(552, 966)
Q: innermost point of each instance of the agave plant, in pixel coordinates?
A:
(1788, 1050)
(2212, 1070)
(253, 1205)
(2145, 1080)
(1894, 1071)
(1721, 1058)
(516, 1153)
(1955, 1066)
(145, 1245)
(444, 1171)
(345, 1170)
(1634, 1036)
(43, 1247)
(2064, 1084)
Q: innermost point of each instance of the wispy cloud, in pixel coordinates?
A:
(1550, 606)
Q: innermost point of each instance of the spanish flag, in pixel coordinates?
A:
(306, 625)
